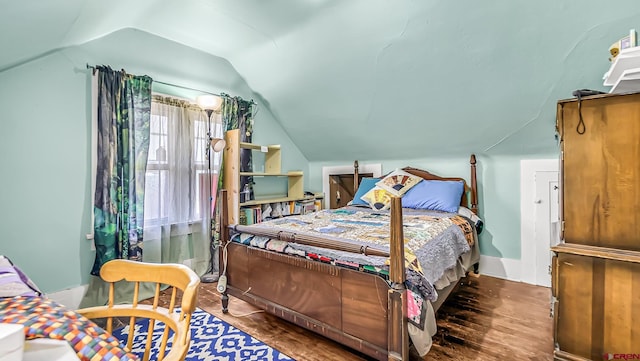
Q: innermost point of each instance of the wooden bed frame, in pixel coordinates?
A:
(359, 310)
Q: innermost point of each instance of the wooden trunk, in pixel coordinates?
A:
(344, 305)
(596, 270)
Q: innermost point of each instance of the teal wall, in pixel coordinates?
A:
(433, 78)
(45, 200)
(44, 147)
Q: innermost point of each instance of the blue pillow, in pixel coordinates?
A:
(434, 195)
(366, 184)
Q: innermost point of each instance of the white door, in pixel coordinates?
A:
(546, 223)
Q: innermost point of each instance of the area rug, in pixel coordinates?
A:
(211, 340)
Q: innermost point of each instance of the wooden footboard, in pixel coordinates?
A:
(359, 310)
(347, 306)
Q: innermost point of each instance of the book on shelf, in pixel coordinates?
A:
(307, 206)
(266, 211)
(284, 206)
(294, 208)
(250, 215)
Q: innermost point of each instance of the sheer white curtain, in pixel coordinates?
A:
(179, 180)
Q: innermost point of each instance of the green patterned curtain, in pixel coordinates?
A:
(237, 113)
(124, 112)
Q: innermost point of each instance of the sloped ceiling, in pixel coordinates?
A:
(369, 79)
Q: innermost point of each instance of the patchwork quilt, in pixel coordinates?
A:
(44, 318)
(433, 243)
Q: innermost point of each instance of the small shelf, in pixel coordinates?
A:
(262, 174)
(265, 174)
(272, 155)
(626, 60)
(265, 148)
(255, 202)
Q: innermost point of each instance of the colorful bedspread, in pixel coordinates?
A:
(44, 318)
(433, 243)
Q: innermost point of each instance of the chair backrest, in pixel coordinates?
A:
(182, 280)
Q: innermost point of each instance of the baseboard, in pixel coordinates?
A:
(505, 268)
(71, 297)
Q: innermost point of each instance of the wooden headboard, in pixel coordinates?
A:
(469, 196)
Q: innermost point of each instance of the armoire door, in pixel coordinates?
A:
(600, 144)
(598, 306)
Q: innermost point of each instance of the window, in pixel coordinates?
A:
(178, 181)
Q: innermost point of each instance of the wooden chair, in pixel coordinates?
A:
(178, 277)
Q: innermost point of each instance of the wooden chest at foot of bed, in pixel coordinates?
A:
(342, 304)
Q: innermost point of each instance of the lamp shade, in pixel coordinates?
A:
(209, 102)
(217, 144)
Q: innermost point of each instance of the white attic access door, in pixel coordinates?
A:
(539, 208)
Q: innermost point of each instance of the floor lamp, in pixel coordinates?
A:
(210, 104)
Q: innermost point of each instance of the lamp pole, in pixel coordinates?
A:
(213, 249)
(209, 103)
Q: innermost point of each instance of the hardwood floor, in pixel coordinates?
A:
(490, 318)
(485, 319)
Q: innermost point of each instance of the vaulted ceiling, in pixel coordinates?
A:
(369, 79)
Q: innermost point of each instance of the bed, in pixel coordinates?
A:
(373, 294)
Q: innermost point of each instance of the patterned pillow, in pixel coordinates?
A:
(398, 182)
(366, 184)
(377, 198)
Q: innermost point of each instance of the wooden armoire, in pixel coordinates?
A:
(596, 267)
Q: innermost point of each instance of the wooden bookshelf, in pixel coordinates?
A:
(272, 168)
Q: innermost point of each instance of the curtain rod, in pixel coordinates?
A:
(93, 68)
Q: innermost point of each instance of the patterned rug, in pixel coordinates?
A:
(211, 340)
